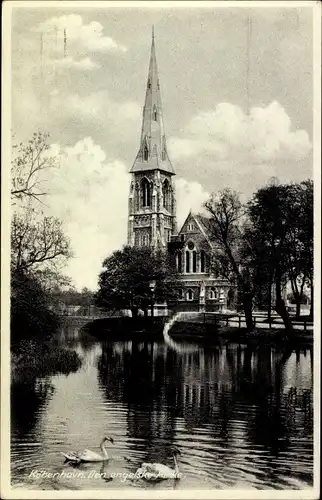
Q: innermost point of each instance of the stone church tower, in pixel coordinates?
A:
(152, 200)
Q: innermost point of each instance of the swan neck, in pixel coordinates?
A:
(176, 466)
(104, 451)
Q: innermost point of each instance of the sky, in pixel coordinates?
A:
(236, 87)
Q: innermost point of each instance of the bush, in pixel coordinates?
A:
(31, 316)
(33, 359)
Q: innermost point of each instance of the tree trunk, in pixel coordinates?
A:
(298, 294)
(269, 301)
(248, 309)
(280, 306)
(312, 301)
(145, 313)
(134, 311)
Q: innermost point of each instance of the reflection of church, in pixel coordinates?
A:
(152, 211)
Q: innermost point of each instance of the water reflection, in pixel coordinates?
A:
(237, 397)
(241, 416)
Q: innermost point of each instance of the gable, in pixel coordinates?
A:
(194, 230)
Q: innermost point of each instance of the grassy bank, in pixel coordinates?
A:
(33, 359)
(261, 336)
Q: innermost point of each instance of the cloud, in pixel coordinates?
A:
(83, 64)
(69, 43)
(228, 133)
(89, 193)
(190, 196)
(88, 37)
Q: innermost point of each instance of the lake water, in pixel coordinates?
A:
(241, 417)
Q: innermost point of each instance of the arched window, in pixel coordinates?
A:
(137, 239)
(189, 294)
(191, 258)
(155, 114)
(202, 261)
(137, 196)
(187, 261)
(179, 261)
(166, 194)
(194, 261)
(213, 294)
(145, 153)
(145, 193)
(180, 294)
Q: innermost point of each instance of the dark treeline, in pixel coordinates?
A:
(72, 297)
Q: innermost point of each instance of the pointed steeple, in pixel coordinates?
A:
(152, 154)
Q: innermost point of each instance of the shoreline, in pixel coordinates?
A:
(144, 329)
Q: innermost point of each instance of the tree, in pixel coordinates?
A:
(300, 256)
(31, 315)
(28, 163)
(280, 239)
(36, 243)
(128, 273)
(227, 216)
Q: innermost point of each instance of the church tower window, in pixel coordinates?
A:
(166, 194)
(189, 295)
(146, 153)
(137, 196)
(155, 114)
(145, 193)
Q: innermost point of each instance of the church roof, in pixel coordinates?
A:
(152, 152)
(203, 224)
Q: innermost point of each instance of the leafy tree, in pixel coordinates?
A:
(226, 227)
(31, 315)
(128, 273)
(300, 256)
(72, 297)
(280, 238)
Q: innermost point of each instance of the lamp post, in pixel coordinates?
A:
(152, 285)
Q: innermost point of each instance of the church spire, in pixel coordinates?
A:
(152, 154)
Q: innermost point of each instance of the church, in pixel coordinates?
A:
(152, 212)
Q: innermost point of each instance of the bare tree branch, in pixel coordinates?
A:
(27, 164)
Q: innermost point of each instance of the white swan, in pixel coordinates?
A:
(89, 455)
(159, 472)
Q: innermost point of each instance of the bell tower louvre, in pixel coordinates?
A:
(152, 200)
